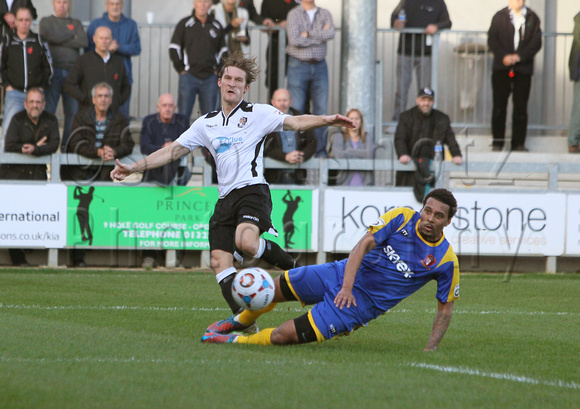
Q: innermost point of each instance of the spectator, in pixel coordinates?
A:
(418, 130)
(125, 43)
(254, 16)
(276, 11)
(288, 146)
(574, 63)
(353, 144)
(99, 132)
(158, 131)
(235, 20)
(196, 48)
(98, 66)
(415, 49)
(32, 132)
(8, 13)
(514, 38)
(65, 37)
(309, 29)
(25, 64)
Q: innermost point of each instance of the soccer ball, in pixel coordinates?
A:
(253, 289)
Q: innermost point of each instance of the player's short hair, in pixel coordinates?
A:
(99, 86)
(244, 62)
(444, 196)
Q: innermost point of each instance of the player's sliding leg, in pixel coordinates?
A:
(297, 331)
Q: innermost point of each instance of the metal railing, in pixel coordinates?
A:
(461, 75)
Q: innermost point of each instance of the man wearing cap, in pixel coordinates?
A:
(418, 130)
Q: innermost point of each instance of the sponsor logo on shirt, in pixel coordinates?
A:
(221, 144)
(400, 264)
(405, 233)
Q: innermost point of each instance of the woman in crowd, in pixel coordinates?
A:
(353, 144)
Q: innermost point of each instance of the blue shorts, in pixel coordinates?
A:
(319, 285)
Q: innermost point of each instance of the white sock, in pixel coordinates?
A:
(261, 248)
(226, 273)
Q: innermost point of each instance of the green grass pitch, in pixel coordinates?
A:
(118, 339)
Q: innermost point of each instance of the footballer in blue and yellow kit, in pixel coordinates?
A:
(401, 263)
(401, 252)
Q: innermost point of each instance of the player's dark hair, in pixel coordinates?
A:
(243, 62)
(444, 196)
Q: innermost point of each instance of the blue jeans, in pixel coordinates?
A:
(404, 69)
(70, 106)
(309, 82)
(574, 131)
(189, 87)
(13, 104)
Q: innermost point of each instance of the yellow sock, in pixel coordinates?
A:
(261, 338)
(247, 317)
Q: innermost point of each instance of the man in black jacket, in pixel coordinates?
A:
(101, 133)
(514, 38)
(25, 64)
(414, 51)
(98, 66)
(32, 132)
(419, 129)
(288, 146)
(196, 49)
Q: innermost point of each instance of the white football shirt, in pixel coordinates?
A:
(236, 142)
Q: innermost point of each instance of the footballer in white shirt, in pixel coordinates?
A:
(235, 137)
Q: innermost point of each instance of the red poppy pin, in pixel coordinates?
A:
(116, 76)
(71, 27)
(29, 50)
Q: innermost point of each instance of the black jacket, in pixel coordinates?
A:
(15, 6)
(82, 141)
(420, 13)
(500, 39)
(90, 69)
(21, 73)
(197, 47)
(22, 131)
(413, 126)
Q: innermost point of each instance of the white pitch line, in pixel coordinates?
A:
(509, 377)
(151, 308)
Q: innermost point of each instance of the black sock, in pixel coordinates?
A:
(226, 286)
(274, 255)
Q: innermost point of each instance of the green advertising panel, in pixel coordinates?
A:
(292, 218)
(169, 218)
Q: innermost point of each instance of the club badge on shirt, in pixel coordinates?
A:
(429, 261)
(243, 122)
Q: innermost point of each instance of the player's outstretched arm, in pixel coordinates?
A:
(344, 296)
(440, 325)
(157, 159)
(306, 122)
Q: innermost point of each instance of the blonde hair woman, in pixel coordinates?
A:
(353, 144)
(234, 20)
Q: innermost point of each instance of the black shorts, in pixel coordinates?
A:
(250, 204)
